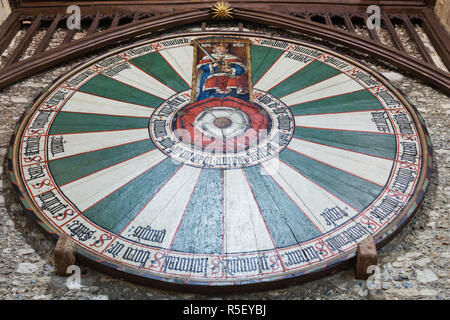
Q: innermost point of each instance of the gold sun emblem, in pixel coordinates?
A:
(222, 10)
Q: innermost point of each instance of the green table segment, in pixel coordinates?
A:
(221, 160)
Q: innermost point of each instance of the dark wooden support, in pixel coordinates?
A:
(13, 4)
(25, 42)
(69, 35)
(265, 12)
(8, 30)
(327, 18)
(307, 15)
(366, 255)
(436, 33)
(348, 22)
(430, 3)
(64, 254)
(48, 35)
(94, 24)
(99, 40)
(136, 16)
(115, 19)
(394, 36)
(416, 39)
(436, 76)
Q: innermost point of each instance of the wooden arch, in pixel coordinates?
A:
(340, 22)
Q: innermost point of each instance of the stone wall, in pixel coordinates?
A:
(442, 10)
(4, 10)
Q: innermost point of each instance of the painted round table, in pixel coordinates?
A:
(217, 160)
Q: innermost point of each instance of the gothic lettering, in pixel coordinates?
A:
(56, 145)
(36, 172)
(185, 264)
(41, 120)
(300, 256)
(80, 230)
(109, 61)
(331, 215)
(284, 123)
(402, 180)
(403, 123)
(115, 249)
(387, 208)
(80, 78)
(32, 145)
(159, 128)
(51, 203)
(148, 234)
(140, 256)
(297, 57)
(309, 52)
(367, 79)
(409, 153)
(117, 69)
(352, 234)
(380, 120)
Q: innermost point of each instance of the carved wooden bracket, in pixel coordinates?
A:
(366, 256)
(64, 254)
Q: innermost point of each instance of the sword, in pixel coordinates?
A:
(207, 54)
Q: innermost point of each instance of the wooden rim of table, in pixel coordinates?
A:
(322, 269)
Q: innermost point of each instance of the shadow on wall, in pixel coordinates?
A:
(442, 10)
(5, 10)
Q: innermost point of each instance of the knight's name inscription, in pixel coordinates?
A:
(263, 145)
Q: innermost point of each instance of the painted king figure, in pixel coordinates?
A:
(222, 74)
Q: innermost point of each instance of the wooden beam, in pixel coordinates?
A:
(48, 35)
(115, 20)
(395, 3)
(13, 4)
(25, 42)
(94, 24)
(136, 16)
(21, 69)
(416, 39)
(366, 255)
(430, 3)
(393, 33)
(97, 41)
(69, 35)
(348, 22)
(434, 75)
(307, 15)
(438, 36)
(327, 18)
(64, 254)
(8, 30)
